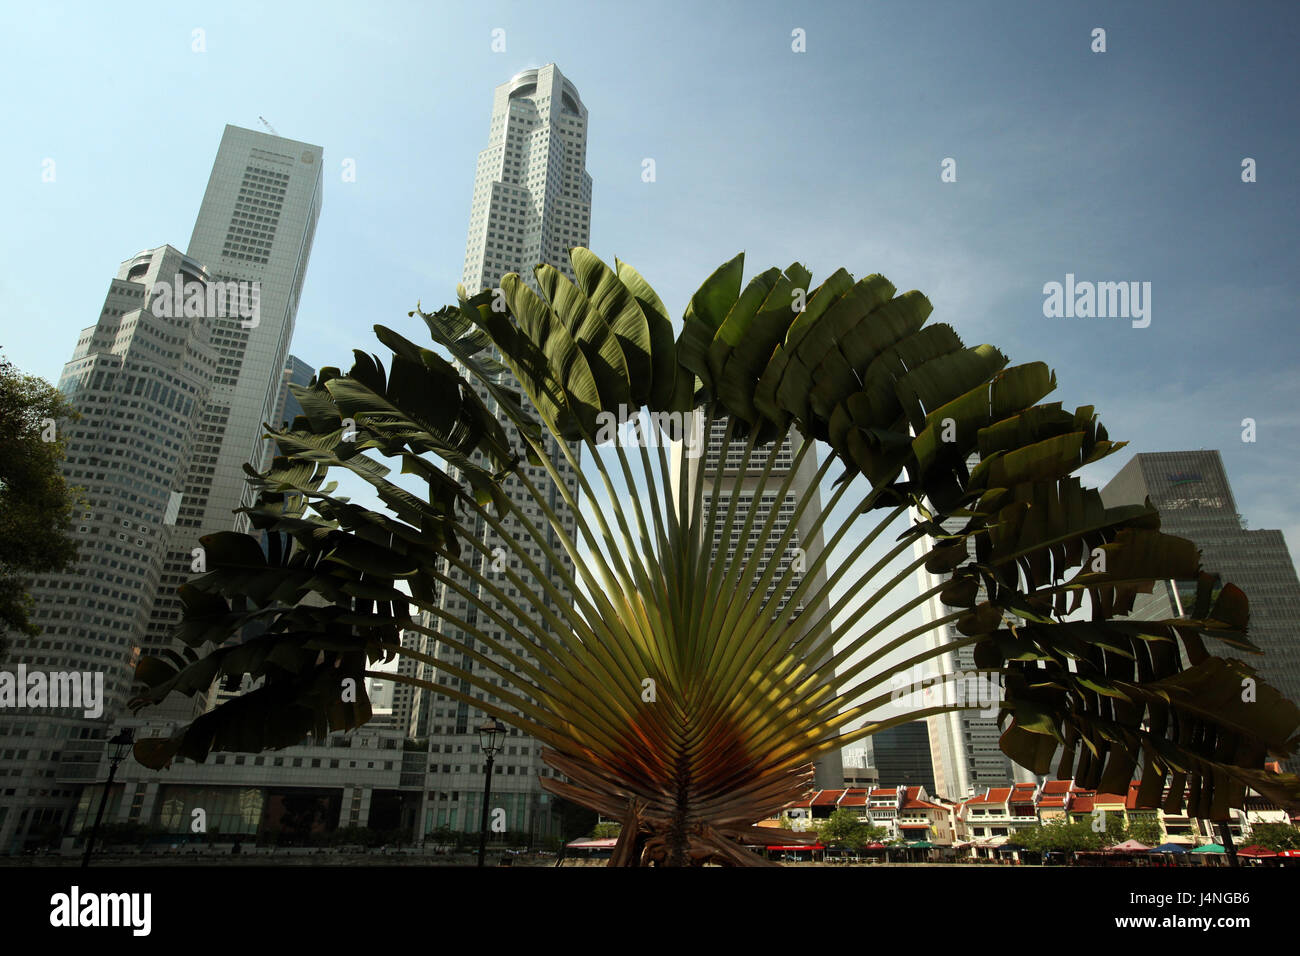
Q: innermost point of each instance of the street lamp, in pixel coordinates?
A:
(119, 747)
(490, 736)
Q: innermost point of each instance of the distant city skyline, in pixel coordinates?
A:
(1107, 166)
(174, 382)
(1007, 157)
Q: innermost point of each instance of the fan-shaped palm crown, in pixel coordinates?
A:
(677, 688)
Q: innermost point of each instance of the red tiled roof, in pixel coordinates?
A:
(854, 798)
(1083, 801)
(885, 792)
(994, 795)
(1058, 786)
(1128, 799)
(827, 798)
(922, 805)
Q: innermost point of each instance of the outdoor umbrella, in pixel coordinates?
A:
(1170, 848)
(1130, 846)
(1256, 851)
(1208, 848)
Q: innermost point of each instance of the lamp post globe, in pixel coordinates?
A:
(491, 737)
(118, 748)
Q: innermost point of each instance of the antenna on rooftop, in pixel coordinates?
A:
(268, 126)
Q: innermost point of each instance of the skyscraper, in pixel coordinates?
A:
(287, 408)
(410, 703)
(963, 743)
(532, 192)
(255, 227)
(531, 204)
(141, 382)
(901, 754)
(175, 383)
(1195, 500)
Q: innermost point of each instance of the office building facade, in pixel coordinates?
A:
(531, 204)
(901, 756)
(287, 408)
(175, 383)
(141, 382)
(254, 231)
(1192, 492)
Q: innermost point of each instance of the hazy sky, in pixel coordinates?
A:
(1123, 165)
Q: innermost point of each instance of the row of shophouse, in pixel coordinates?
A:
(980, 824)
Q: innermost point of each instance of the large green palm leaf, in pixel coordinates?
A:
(670, 686)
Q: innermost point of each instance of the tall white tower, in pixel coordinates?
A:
(532, 193)
(963, 743)
(532, 203)
(255, 228)
(141, 382)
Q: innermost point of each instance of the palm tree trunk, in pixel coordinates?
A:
(678, 835)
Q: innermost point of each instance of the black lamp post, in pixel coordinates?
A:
(491, 736)
(119, 747)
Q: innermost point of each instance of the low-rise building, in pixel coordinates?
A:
(989, 820)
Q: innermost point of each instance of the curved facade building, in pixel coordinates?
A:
(141, 379)
(531, 204)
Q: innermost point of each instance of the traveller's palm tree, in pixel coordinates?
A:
(675, 688)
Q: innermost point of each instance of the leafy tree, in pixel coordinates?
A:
(1032, 838)
(787, 823)
(1114, 831)
(1060, 836)
(1275, 836)
(1144, 830)
(36, 505)
(843, 829)
(603, 831)
(674, 687)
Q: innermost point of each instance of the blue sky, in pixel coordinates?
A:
(1115, 166)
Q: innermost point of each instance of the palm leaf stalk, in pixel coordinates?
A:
(676, 686)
